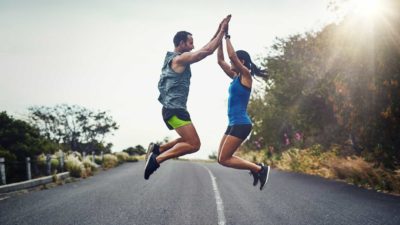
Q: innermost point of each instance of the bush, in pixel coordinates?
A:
(42, 162)
(110, 161)
(213, 156)
(76, 154)
(310, 160)
(7, 155)
(98, 160)
(252, 156)
(296, 160)
(132, 159)
(122, 156)
(357, 171)
(74, 166)
(140, 157)
(352, 169)
(55, 163)
(90, 167)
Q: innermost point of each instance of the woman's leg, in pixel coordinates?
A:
(229, 144)
(220, 145)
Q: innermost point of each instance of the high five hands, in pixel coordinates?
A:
(225, 23)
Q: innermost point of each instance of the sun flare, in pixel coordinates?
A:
(366, 8)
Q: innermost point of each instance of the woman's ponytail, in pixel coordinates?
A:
(254, 70)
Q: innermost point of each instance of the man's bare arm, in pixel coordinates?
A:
(208, 49)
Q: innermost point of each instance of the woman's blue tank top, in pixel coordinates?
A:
(238, 100)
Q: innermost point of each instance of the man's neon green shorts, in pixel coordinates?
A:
(175, 118)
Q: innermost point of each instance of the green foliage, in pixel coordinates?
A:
(7, 155)
(55, 163)
(138, 150)
(121, 156)
(75, 127)
(352, 169)
(74, 166)
(90, 167)
(132, 159)
(330, 84)
(41, 160)
(110, 161)
(19, 140)
(98, 160)
(213, 156)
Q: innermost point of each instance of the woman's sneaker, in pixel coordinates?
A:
(263, 175)
(255, 175)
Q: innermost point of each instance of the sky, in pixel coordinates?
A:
(107, 55)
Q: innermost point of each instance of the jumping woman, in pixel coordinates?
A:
(241, 71)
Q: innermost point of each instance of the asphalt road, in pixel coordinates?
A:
(200, 193)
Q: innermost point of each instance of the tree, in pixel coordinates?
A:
(338, 82)
(75, 127)
(138, 150)
(213, 156)
(19, 140)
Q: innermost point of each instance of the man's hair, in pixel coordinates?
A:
(181, 36)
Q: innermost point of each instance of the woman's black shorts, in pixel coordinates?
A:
(240, 131)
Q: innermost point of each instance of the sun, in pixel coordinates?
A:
(366, 8)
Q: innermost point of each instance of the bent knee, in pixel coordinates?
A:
(223, 161)
(195, 146)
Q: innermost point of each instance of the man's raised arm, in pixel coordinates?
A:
(206, 50)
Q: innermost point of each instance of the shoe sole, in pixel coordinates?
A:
(145, 166)
(258, 179)
(266, 180)
(149, 150)
(255, 183)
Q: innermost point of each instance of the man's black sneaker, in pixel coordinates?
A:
(151, 166)
(263, 174)
(152, 148)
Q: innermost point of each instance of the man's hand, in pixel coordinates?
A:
(225, 24)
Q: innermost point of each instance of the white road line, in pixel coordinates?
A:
(218, 199)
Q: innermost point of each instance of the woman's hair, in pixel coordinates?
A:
(181, 36)
(254, 70)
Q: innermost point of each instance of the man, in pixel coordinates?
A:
(174, 90)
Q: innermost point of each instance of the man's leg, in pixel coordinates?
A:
(158, 149)
(189, 142)
(170, 144)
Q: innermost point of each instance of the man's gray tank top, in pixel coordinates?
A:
(173, 87)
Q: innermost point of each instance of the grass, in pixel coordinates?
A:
(132, 159)
(121, 156)
(331, 164)
(82, 168)
(89, 167)
(110, 161)
(74, 165)
(42, 162)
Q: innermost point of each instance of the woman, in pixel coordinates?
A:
(241, 72)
